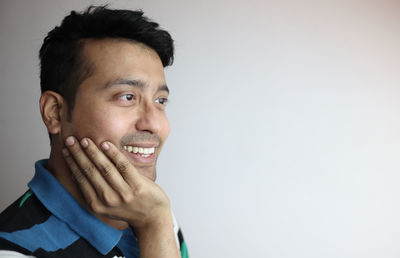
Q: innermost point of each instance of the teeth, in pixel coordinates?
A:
(146, 152)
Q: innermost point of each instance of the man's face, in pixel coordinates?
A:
(123, 101)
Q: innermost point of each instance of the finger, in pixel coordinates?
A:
(106, 168)
(124, 166)
(92, 174)
(86, 188)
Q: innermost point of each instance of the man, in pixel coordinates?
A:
(103, 103)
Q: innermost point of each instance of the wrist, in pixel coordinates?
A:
(158, 221)
(157, 239)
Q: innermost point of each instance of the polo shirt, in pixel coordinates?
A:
(48, 222)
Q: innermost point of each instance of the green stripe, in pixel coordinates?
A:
(26, 196)
(184, 250)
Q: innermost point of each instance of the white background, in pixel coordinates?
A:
(285, 119)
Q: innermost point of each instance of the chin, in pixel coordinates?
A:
(149, 172)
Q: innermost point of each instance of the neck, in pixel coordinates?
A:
(61, 172)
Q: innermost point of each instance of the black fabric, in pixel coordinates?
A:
(15, 218)
(32, 212)
(180, 237)
(80, 248)
(6, 245)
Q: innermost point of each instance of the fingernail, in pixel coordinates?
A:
(105, 146)
(69, 141)
(84, 142)
(65, 152)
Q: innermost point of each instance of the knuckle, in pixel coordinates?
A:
(94, 206)
(139, 191)
(107, 170)
(103, 195)
(89, 170)
(110, 200)
(127, 197)
(79, 178)
(122, 166)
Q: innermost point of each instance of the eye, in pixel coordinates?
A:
(162, 101)
(127, 97)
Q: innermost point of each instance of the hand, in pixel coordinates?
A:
(112, 186)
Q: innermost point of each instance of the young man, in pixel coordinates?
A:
(103, 103)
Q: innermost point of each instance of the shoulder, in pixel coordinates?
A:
(24, 213)
(17, 222)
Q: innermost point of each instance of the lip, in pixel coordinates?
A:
(142, 145)
(140, 160)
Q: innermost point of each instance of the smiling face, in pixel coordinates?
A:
(122, 101)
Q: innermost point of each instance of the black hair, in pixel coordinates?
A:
(63, 67)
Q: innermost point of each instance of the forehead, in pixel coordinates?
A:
(119, 58)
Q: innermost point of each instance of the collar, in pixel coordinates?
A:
(61, 204)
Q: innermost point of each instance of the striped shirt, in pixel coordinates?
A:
(48, 222)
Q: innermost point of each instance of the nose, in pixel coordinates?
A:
(149, 119)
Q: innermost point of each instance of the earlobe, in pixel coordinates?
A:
(51, 109)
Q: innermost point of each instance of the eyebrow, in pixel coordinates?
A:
(135, 83)
(163, 88)
(120, 81)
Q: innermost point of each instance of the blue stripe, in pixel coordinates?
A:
(128, 244)
(60, 202)
(54, 235)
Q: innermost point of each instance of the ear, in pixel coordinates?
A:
(52, 108)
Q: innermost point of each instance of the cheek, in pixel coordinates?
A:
(100, 126)
(165, 129)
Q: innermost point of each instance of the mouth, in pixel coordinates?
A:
(142, 154)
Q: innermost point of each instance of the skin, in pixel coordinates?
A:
(121, 103)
